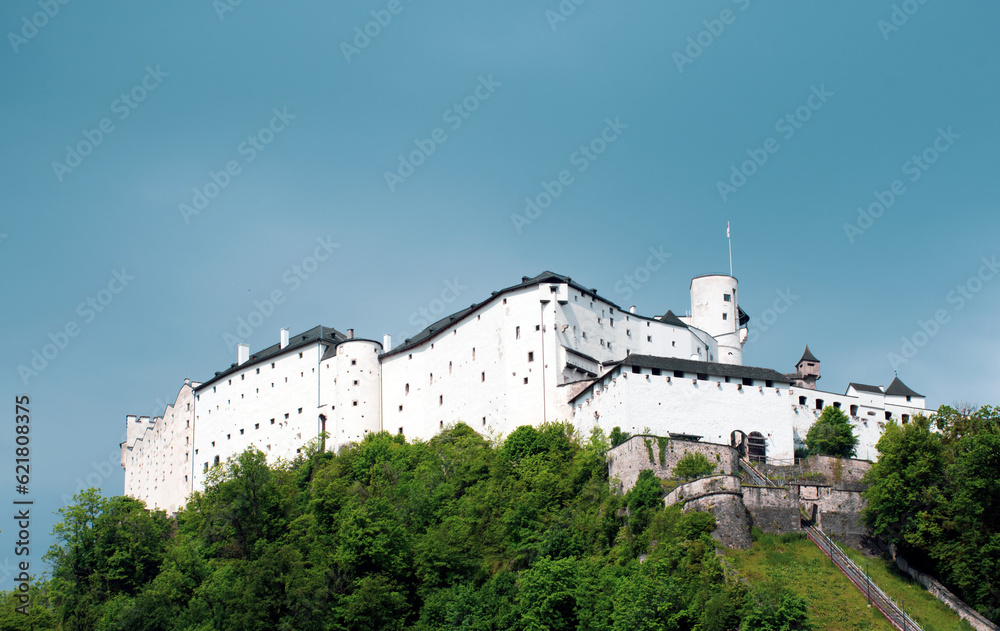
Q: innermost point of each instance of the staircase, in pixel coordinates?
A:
(887, 606)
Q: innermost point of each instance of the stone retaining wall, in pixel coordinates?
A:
(629, 459)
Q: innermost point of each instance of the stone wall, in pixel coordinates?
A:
(774, 510)
(843, 473)
(940, 592)
(629, 459)
(836, 511)
(711, 485)
(732, 522)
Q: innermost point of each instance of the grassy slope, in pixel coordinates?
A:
(834, 602)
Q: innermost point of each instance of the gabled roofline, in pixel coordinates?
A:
(319, 334)
(442, 325)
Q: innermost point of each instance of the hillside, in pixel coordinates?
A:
(455, 532)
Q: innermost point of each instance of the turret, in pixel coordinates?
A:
(715, 310)
(807, 370)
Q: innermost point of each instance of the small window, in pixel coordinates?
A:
(649, 338)
(747, 381)
(525, 381)
(440, 399)
(768, 383)
(400, 431)
(909, 398)
(354, 362)
(272, 364)
(449, 368)
(725, 316)
(216, 460)
(628, 333)
(505, 301)
(531, 355)
(300, 410)
(702, 376)
(819, 404)
(241, 431)
(256, 425)
(656, 372)
(354, 403)
(258, 371)
(406, 389)
(836, 404)
(441, 424)
(213, 443)
(517, 333)
(888, 416)
(300, 355)
(538, 327)
(230, 382)
(802, 401)
(679, 374)
(483, 377)
(636, 370)
(432, 378)
(906, 419)
(286, 414)
(400, 408)
(473, 353)
(355, 382)
(727, 297)
(272, 421)
(484, 421)
(854, 410)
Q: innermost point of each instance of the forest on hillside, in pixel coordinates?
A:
(462, 533)
(452, 533)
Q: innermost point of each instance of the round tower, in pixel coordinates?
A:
(715, 310)
(358, 400)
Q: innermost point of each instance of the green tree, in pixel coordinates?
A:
(104, 547)
(832, 435)
(693, 465)
(618, 436)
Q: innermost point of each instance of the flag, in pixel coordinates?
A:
(727, 229)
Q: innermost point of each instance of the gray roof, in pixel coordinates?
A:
(807, 357)
(545, 277)
(714, 369)
(328, 335)
(899, 389)
(671, 318)
(710, 368)
(860, 387)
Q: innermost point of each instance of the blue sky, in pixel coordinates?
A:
(782, 119)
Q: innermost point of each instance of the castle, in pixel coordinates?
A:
(545, 349)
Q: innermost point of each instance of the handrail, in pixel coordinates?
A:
(886, 605)
(755, 475)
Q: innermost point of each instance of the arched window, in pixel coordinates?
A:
(757, 447)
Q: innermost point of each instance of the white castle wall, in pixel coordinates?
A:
(156, 454)
(356, 380)
(711, 312)
(711, 409)
(272, 405)
(505, 364)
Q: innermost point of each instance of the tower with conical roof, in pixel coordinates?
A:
(807, 370)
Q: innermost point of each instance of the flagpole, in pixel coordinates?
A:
(730, 239)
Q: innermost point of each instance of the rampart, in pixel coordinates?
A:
(641, 452)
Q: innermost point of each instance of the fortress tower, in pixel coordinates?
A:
(715, 310)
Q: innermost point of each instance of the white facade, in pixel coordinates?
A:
(547, 349)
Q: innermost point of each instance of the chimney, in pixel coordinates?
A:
(242, 354)
(350, 334)
(284, 338)
(631, 309)
(386, 343)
